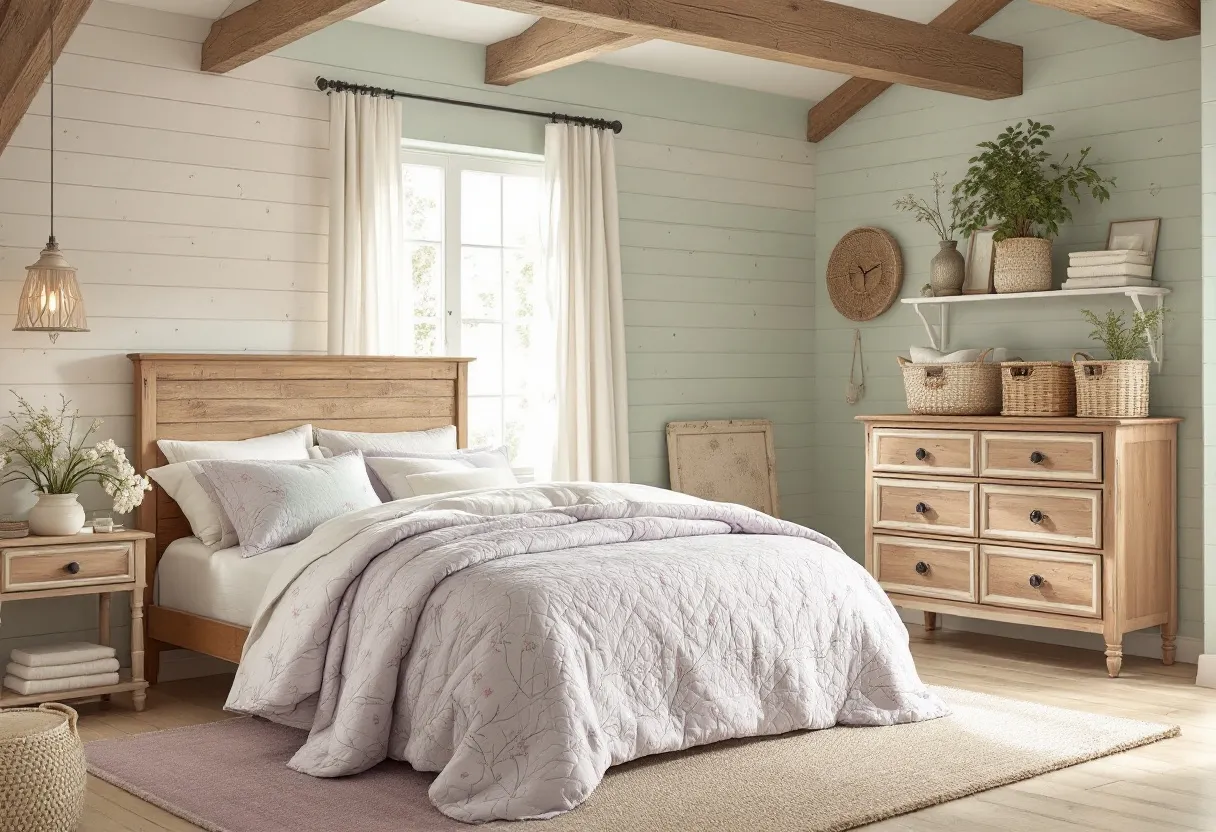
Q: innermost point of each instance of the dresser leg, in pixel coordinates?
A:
(1114, 658)
(931, 621)
(1169, 638)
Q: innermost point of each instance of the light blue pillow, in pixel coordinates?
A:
(273, 504)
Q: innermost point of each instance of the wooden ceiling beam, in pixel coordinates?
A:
(25, 52)
(267, 25)
(1161, 19)
(548, 45)
(848, 99)
(812, 33)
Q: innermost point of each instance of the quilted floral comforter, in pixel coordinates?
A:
(521, 641)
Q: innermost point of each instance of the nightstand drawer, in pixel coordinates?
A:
(33, 568)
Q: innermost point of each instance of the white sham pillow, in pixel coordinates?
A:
(391, 473)
(276, 503)
(186, 485)
(290, 444)
(441, 482)
(435, 440)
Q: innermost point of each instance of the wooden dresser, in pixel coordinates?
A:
(1067, 523)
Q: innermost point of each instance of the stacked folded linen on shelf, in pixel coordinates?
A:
(61, 667)
(1100, 269)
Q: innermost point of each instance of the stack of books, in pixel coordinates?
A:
(1100, 269)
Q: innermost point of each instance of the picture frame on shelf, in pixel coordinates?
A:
(981, 259)
(1136, 235)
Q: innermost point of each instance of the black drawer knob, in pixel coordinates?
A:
(1036, 517)
(1037, 458)
(1036, 581)
(921, 453)
(72, 568)
(922, 568)
(921, 508)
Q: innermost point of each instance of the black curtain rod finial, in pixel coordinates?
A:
(327, 86)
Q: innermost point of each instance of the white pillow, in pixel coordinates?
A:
(436, 440)
(273, 503)
(925, 355)
(441, 482)
(185, 484)
(290, 444)
(391, 473)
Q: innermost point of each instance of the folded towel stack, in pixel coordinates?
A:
(1100, 269)
(61, 667)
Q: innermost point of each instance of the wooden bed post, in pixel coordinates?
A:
(145, 515)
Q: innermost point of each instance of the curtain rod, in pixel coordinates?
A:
(325, 85)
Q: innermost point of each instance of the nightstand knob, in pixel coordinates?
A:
(1036, 517)
(1037, 458)
(72, 568)
(1036, 581)
(921, 453)
(921, 508)
(922, 568)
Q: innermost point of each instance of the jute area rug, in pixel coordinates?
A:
(231, 776)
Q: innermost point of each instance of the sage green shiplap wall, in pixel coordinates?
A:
(1136, 101)
(717, 225)
(1208, 50)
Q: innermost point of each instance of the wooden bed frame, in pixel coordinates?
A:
(238, 396)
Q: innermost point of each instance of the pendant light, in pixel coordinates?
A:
(50, 299)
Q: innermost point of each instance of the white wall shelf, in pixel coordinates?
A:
(938, 335)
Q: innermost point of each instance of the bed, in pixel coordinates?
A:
(238, 396)
(517, 640)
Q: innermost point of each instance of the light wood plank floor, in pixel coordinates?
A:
(1160, 788)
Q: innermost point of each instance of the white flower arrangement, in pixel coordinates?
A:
(43, 449)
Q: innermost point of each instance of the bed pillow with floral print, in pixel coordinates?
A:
(273, 504)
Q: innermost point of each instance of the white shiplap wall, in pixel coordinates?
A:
(195, 208)
(1136, 101)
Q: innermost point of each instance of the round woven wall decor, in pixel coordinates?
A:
(865, 273)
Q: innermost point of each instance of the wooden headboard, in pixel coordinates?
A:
(238, 396)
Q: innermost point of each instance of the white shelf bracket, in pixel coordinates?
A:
(1156, 337)
(937, 337)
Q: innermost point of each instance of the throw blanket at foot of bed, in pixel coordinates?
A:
(521, 641)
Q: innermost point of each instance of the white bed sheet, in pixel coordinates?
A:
(216, 584)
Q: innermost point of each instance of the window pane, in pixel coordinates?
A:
(480, 208)
(481, 283)
(521, 210)
(426, 263)
(426, 338)
(483, 342)
(524, 366)
(423, 202)
(524, 297)
(485, 421)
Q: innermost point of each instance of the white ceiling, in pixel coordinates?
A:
(472, 23)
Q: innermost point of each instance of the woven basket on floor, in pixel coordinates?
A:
(1111, 388)
(1038, 388)
(1022, 264)
(42, 770)
(967, 389)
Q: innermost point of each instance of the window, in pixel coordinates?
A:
(473, 240)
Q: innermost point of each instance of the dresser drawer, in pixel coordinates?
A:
(949, 452)
(929, 568)
(924, 506)
(33, 568)
(1042, 456)
(1070, 516)
(1063, 582)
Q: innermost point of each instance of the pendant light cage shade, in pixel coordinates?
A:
(50, 299)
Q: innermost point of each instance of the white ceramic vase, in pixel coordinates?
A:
(56, 515)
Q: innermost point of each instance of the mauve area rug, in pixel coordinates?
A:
(231, 776)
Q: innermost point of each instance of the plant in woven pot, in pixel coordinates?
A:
(1118, 386)
(1015, 188)
(948, 269)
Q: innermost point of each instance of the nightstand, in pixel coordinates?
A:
(82, 564)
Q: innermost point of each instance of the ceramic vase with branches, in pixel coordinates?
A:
(947, 269)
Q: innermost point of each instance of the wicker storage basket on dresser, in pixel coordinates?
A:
(1068, 523)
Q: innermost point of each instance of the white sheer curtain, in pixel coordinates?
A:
(583, 268)
(369, 289)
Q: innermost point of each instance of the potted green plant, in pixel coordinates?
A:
(947, 270)
(1118, 386)
(46, 449)
(1013, 185)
